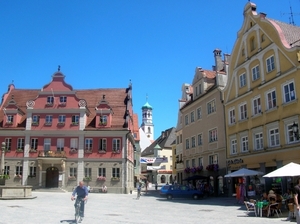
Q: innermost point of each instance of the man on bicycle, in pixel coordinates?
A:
(82, 194)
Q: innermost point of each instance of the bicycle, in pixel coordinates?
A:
(78, 214)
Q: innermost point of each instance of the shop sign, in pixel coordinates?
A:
(234, 161)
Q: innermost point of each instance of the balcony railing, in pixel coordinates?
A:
(51, 153)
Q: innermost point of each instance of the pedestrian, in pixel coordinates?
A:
(139, 187)
(156, 185)
(297, 201)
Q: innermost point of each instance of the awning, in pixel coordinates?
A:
(141, 176)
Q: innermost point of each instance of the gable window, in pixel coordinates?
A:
(289, 92)
(199, 139)
(8, 144)
(48, 119)
(47, 144)
(243, 111)
(50, 100)
(102, 144)
(256, 106)
(200, 88)
(211, 107)
(186, 118)
(252, 43)
(9, 119)
(255, 73)
(192, 116)
(35, 120)
(103, 120)
(258, 141)
(61, 119)
(199, 115)
(271, 99)
(20, 144)
(74, 144)
(274, 137)
(233, 148)
(60, 144)
(75, 119)
(187, 143)
(213, 159)
(88, 144)
(232, 116)
(242, 79)
(116, 172)
(270, 64)
(34, 144)
(62, 99)
(193, 142)
(213, 135)
(116, 145)
(244, 142)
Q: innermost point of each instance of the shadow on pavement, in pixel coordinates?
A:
(68, 221)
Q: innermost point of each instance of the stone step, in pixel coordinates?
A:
(56, 190)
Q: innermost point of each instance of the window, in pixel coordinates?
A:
(243, 52)
(200, 88)
(62, 119)
(50, 100)
(74, 143)
(213, 159)
(32, 171)
(19, 170)
(48, 119)
(244, 142)
(232, 116)
(192, 116)
(187, 163)
(62, 99)
(289, 92)
(242, 80)
(258, 141)
(213, 135)
(255, 73)
(252, 43)
(233, 147)
(35, 119)
(115, 172)
(200, 161)
(102, 144)
(211, 107)
(6, 170)
(88, 144)
(73, 172)
(256, 106)
(60, 144)
(103, 121)
(87, 172)
(20, 144)
(270, 64)
(271, 99)
(199, 139)
(102, 172)
(199, 115)
(274, 137)
(193, 163)
(196, 90)
(187, 143)
(193, 142)
(186, 118)
(263, 38)
(177, 140)
(8, 144)
(180, 138)
(75, 119)
(47, 144)
(243, 111)
(116, 144)
(34, 144)
(10, 119)
(291, 136)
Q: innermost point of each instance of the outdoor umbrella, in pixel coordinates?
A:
(289, 170)
(244, 173)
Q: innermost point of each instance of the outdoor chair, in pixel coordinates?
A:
(272, 209)
(250, 206)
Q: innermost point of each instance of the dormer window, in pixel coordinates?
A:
(62, 100)
(103, 120)
(50, 100)
(9, 119)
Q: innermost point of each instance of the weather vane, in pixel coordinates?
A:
(58, 69)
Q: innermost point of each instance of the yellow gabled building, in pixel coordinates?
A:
(262, 95)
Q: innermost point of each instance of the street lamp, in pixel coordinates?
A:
(2, 157)
(295, 130)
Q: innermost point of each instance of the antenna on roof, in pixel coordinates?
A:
(291, 15)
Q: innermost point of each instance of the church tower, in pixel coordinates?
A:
(147, 124)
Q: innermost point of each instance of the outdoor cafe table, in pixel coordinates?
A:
(260, 205)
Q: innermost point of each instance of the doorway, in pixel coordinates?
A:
(52, 174)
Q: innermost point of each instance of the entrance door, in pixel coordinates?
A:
(52, 177)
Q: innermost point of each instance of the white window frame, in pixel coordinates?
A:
(50, 100)
(193, 141)
(288, 94)
(48, 119)
(47, 144)
(270, 63)
(244, 144)
(10, 119)
(233, 146)
(62, 99)
(199, 113)
(75, 119)
(87, 172)
(187, 143)
(19, 170)
(186, 119)
(213, 159)
(102, 144)
(32, 171)
(73, 172)
(60, 144)
(192, 116)
(274, 137)
(116, 144)
(243, 111)
(255, 73)
(35, 119)
(200, 139)
(231, 114)
(256, 105)
(291, 138)
(103, 120)
(21, 143)
(258, 141)
(242, 79)
(34, 143)
(61, 118)
(102, 172)
(211, 106)
(213, 135)
(115, 172)
(200, 161)
(88, 144)
(8, 142)
(74, 143)
(270, 100)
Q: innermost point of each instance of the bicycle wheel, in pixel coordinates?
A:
(77, 214)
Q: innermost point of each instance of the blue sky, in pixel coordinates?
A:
(156, 44)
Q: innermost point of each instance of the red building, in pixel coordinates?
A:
(57, 136)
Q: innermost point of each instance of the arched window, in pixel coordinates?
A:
(149, 130)
(252, 43)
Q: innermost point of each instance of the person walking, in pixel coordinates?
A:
(139, 188)
(297, 201)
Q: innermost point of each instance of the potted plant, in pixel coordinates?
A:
(101, 178)
(115, 178)
(71, 178)
(3, 177)
(19, 150)
(73, 150)
(18, 176)
(87, 178)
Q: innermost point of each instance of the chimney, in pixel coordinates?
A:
(162, 134)
(262, 15)
(227, 58)
(218, 59)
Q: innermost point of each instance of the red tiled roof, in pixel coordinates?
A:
(209, 74)
(136, 127)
